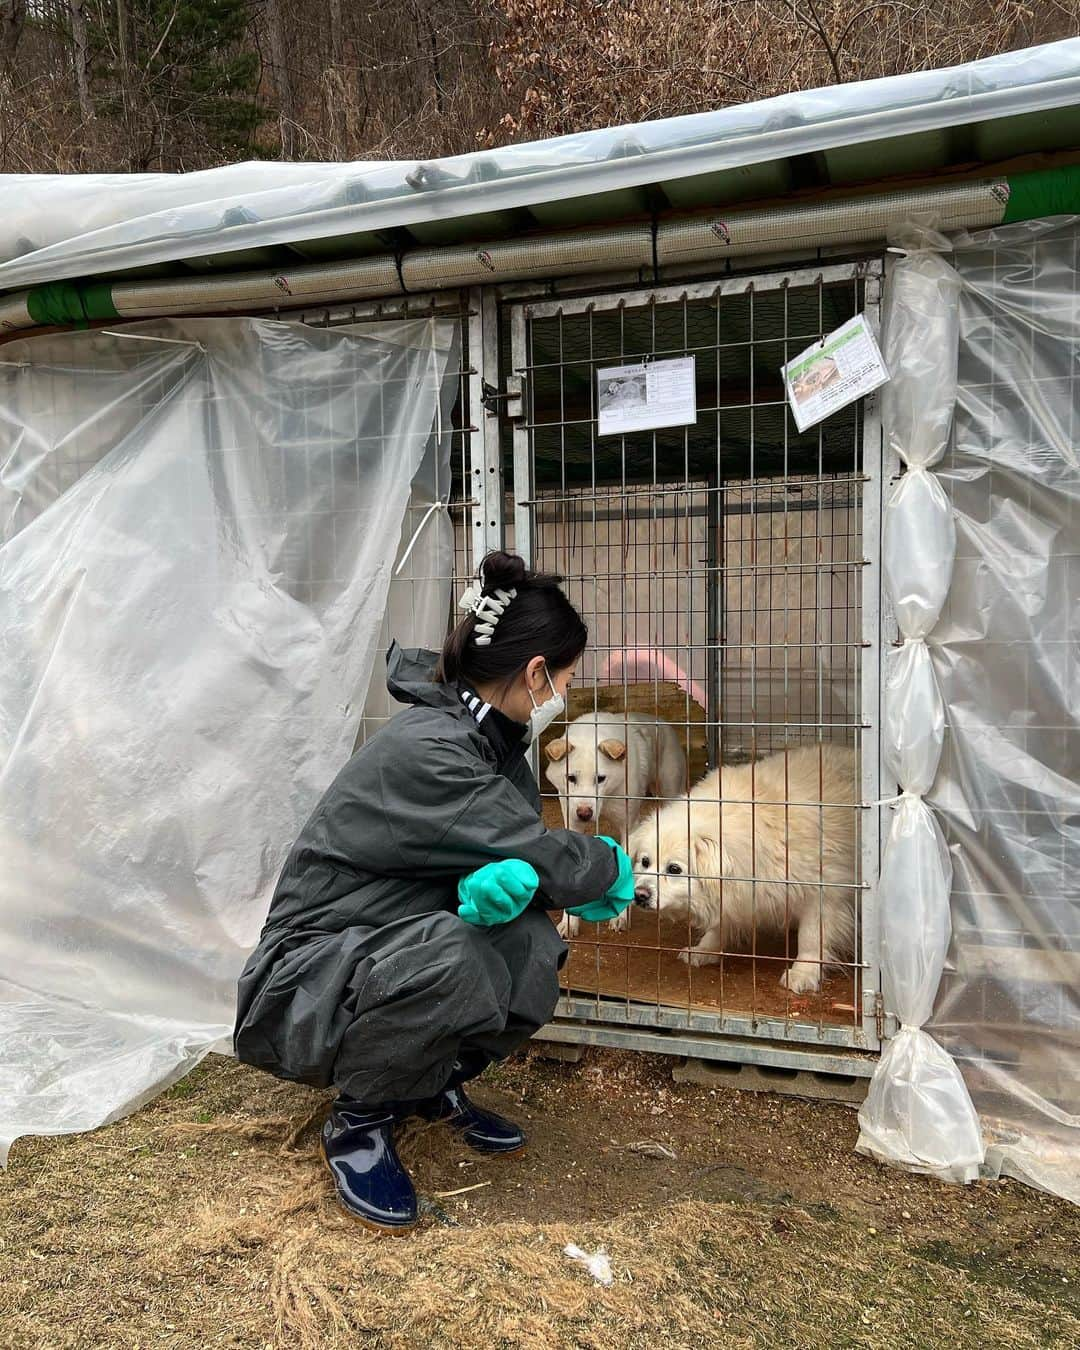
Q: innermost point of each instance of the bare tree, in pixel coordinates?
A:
(12, 19)
(81, 57)
(335, 83)
(125, 57)
(337, 33)
(281, 73)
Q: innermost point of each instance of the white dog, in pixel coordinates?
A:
(604, 768)
(748, 851)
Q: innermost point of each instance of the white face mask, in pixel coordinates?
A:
(543, 714)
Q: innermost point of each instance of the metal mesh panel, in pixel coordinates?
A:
(447, 476)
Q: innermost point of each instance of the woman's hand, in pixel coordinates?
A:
(616, 898)
(498, 892)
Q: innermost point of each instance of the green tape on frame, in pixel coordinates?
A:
(61, 303)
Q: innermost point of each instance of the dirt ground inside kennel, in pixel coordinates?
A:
(731, 1219)
(642, 966)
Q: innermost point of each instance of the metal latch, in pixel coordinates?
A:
(513, 399)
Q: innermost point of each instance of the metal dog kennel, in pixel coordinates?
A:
(730, 576)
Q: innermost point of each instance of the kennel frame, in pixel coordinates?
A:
(600, 1019)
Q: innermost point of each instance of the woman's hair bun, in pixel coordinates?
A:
(540, 622)
(502, 571)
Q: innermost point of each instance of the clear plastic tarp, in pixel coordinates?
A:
(62, 226)
(197, 525)
(418, 600)
(1006, 652)
(981, 875)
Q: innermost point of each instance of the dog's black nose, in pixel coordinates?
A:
(642, 895)
(584, 813)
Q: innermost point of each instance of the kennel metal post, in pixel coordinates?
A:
(870, 763)
(523, 459)
(485, 460)
(714, 612)
(624, 1020)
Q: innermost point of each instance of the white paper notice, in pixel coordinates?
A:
(831, 374)
(646, 396)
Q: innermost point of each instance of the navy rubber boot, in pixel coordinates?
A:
(482, 1130)
(372, 1184)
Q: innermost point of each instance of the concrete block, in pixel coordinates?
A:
(843, 1090)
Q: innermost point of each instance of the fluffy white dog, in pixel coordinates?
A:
(748, 851)
(605, 767)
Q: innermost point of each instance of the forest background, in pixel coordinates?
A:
(173, 85)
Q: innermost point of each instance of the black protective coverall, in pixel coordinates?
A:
(364, 976)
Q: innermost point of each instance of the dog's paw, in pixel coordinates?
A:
(801, 978)
(620, 923)
(695, 958)
(568, 926)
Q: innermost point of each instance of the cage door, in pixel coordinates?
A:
(728, 569)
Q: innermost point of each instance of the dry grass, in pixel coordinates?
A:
(207, 1221)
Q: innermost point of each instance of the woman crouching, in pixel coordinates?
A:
(407, 944)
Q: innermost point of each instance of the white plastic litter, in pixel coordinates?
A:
(196, 542)
(596, 1263)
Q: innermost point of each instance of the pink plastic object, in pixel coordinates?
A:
(646, 663)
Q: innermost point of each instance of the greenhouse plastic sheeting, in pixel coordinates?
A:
(1006, 659)
(917, 1112)
(61, 226)
(199, 520)
(418, 600)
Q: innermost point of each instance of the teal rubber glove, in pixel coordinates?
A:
(617, 897)
(496, 893)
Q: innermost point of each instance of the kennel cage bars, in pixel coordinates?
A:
(493, 441)
(564, 485)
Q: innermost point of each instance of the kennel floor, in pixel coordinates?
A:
(641, 965)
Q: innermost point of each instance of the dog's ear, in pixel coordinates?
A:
(556, 750)
(613, 749)
(709, 857)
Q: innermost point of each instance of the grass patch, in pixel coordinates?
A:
(1007, 1267)
(208, 1220)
